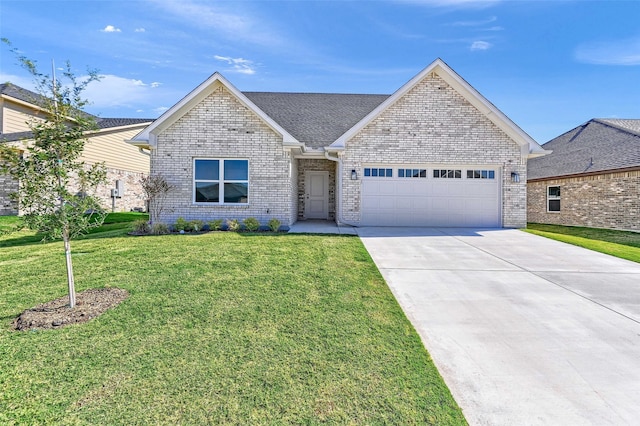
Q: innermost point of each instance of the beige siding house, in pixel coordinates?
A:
(434, 153)
(125, 163)
(591, 179)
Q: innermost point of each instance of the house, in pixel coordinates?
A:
(434, 153)
(125, 164)
(591, 179)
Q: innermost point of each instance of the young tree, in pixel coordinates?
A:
(155, 189)
(55, 186)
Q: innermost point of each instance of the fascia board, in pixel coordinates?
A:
(196, 96)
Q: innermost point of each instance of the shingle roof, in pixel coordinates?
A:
(595, 146)
(316, 119)
(25, 95)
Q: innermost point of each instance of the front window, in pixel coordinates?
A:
(221, 181)
(553, 199)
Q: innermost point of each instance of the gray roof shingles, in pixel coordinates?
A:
(316, 119)
(598, 145)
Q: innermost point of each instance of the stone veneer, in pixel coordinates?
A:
(7, 186)
(433, 124)
(607, 200)
(221, 127)
(133, 195)
(319, 166)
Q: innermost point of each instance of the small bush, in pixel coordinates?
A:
(215, 225)
(181, 224)
(252, 224)
(274, 225)
(141, 226)
(159, 228)
(196, 225)
(233, 225)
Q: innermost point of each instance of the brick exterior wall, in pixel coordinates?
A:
(320, 166)
(608, 200)
(7, 186)
(221, 127)
(433, 124)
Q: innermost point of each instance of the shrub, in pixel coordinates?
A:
(159, 228)
(181, 224)
(233, 225)
(215, 225)
(252, 224)
(274, 225)
(141, 226)
(196, 225)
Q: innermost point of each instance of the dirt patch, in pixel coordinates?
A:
(57, 313)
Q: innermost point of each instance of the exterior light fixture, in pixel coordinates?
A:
(515, 177)
(354, 175)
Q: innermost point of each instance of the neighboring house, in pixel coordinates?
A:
(591, 179)
(434, 153)
(125, 164)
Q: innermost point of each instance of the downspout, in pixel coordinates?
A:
(339, 200)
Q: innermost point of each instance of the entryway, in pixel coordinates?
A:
(316, 198)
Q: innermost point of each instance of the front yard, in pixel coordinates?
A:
(218, 328)
(623, 244)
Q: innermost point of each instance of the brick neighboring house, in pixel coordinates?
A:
(434, 153)
(125, 164)
(591, 179)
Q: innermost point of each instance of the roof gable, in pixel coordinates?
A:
(148, 135)
(529, 147)
(597, 146)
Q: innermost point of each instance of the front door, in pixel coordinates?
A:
(316, 198)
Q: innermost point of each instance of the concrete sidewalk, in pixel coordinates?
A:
(524, 330)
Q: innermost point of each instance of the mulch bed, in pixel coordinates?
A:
(57, 313)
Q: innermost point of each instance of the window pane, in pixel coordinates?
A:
(236, 193)
(554, 205)
(207, 192)
(389, 172)
(374, 172)
(485, 174)
(492, 174)
(236, 170)
(367, 172)
(400, 172)
(469, 174)
(423, 173)
(207, 170)
(436, 173)
(554, 191)
(457, 174)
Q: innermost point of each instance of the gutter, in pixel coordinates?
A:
(339, 199)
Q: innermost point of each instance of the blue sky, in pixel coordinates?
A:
(548, 65)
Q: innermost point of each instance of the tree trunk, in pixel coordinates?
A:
(70, 281)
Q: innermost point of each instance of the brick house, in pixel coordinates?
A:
(124, 163)
(591, 179)
(434, 153)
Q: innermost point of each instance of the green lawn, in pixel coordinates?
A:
(623, 244)
(219, 328)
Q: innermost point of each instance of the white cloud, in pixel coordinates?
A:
(110, 29)
(239, 65)
(155, 84)
(160, 110)
(613, 52)
(480, 45)
(139, 30)
(474, 23)
(114, 91)
(24, 82)
(478, 4)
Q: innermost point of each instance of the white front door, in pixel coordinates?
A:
(316, 198)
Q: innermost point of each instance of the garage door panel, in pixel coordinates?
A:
(430, 201)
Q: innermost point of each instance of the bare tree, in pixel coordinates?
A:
(156, 188)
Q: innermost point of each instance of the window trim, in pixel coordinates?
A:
(554, 198)
(221, 181)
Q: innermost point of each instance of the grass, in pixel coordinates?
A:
(220, 328)
(623, 244)
(115, 224)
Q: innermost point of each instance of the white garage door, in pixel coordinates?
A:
(431, 196)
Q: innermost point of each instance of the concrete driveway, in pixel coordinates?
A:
(524, 330)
